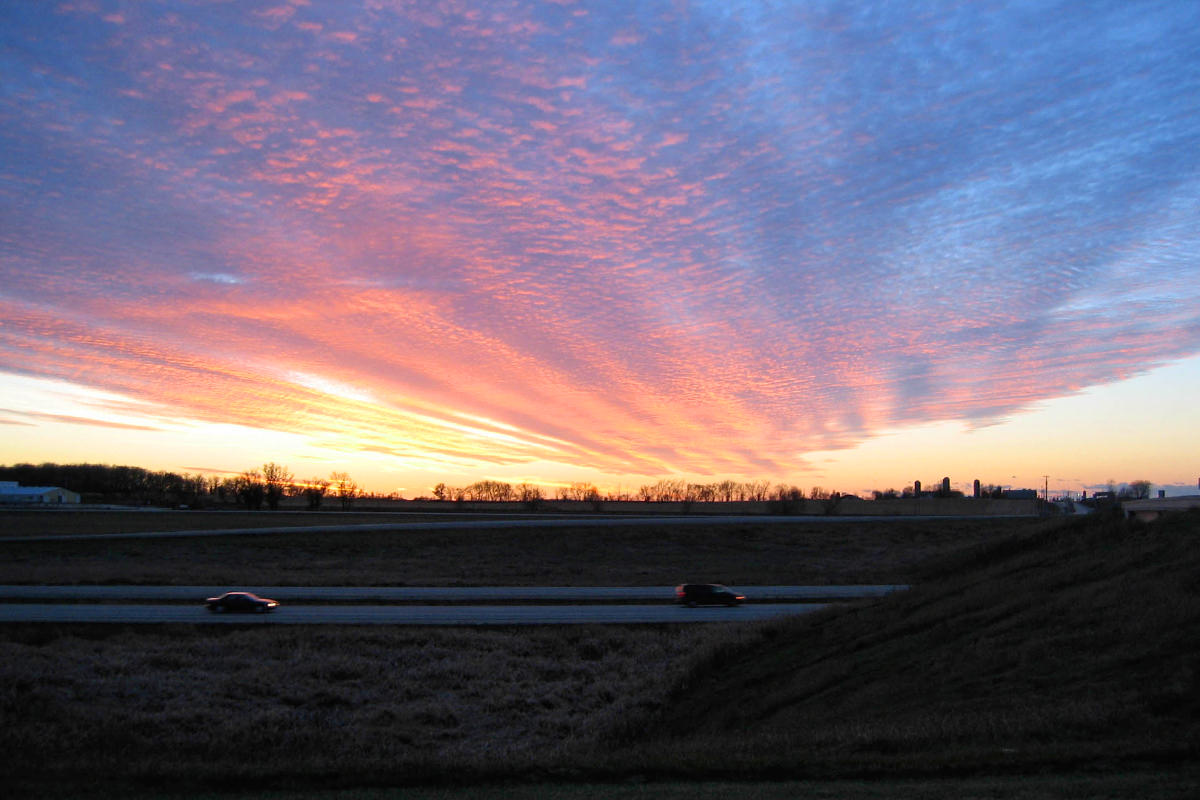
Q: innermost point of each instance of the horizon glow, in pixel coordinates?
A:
(847, 246)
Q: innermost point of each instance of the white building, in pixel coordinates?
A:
(12, 493)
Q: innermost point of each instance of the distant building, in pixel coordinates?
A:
(12, 493)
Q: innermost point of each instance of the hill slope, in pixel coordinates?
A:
(1073, 644)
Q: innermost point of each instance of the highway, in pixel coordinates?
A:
(399, 614)
(356, 605)
(433, 594)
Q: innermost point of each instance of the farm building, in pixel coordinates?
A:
(12, 493)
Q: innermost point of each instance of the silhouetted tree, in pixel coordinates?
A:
(580, 490)
(787, 499)
(489, 492)
(344, 487)
(314, 490)
(529, 494)
(278, 482)
(250, 489)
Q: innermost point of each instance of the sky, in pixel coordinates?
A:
(836, 244)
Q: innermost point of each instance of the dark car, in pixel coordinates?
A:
(240, 601)
(707, 594)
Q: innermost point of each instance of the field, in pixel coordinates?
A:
(750, 553)
(1033, 659)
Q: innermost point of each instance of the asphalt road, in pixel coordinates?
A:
(433, 594)
(412, 605)
(400, 615)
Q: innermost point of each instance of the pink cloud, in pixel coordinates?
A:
(276, 15)
(658, 264)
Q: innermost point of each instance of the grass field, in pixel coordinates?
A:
(58, 521)
(1033, 659)
(802, 552)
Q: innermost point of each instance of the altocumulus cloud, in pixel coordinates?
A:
(638, 238)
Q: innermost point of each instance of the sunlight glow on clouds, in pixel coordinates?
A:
(610, 239)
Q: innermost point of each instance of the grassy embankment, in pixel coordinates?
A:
(1076, 645)
(1054, 649)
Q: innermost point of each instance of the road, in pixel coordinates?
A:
(400, 615)
(433, 594)
(485, 605)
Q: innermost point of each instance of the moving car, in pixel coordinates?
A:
(240, 601)
(707, 594)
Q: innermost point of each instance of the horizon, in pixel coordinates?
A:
(295, 486)
(579, 242)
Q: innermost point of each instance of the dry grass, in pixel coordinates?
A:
(240, 706)
(741, 554)
(1073, 645)
(59, 521)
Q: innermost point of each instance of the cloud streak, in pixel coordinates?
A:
(704, 238)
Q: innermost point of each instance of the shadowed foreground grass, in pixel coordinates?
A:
(249, 705)
(1076, 645)
(1060, 660)
(1145, 785)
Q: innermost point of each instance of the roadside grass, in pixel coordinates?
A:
(236, 707)
(1142, 785)
(803, 552)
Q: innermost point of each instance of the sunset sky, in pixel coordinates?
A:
(845, 244)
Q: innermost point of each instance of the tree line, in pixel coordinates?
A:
(253, 488)
(667, 490)
(269, 484)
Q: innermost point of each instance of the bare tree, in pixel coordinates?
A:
(529, 494)
(489, 491)
(580, 490)
(249, 488)
(759, 490)
(278, 481)
(344, 487)
(314, 490)
(1140, 489)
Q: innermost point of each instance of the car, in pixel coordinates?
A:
(240, 601)
(707, 594)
